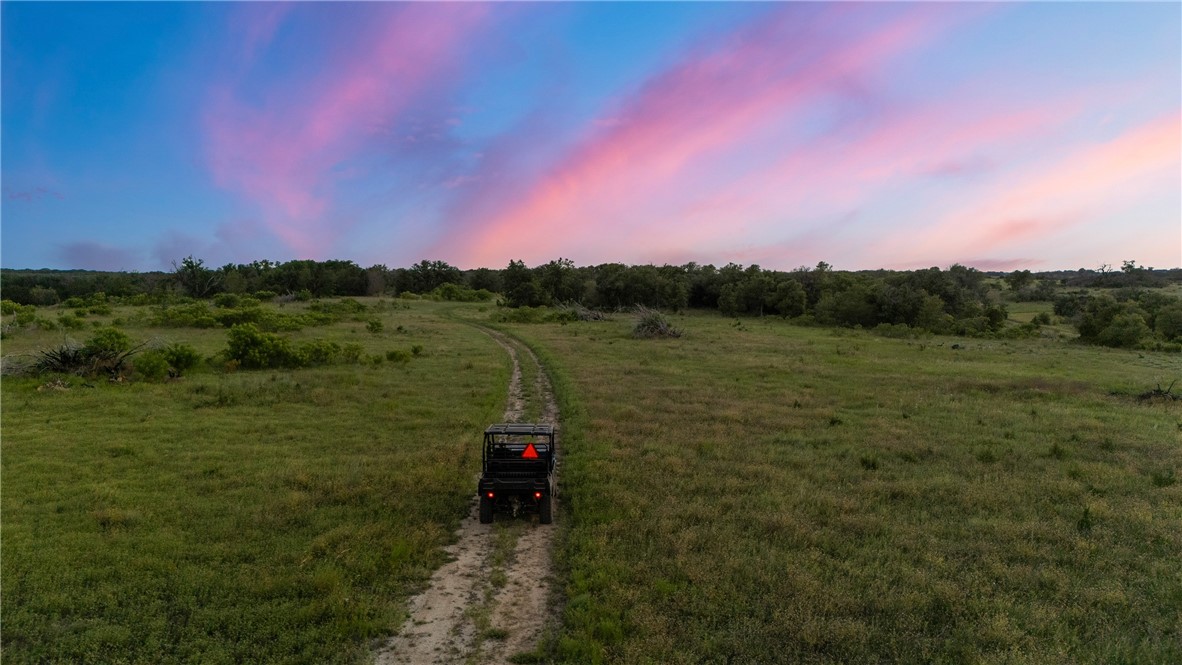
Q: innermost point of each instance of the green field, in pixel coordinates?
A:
(754, 492)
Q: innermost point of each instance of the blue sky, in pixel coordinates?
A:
(1004, 136)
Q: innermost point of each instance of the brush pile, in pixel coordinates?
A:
(650, 324)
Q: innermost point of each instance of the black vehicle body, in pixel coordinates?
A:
(517, 470)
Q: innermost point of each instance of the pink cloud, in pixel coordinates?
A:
(631, 177)
(288, 153)
(1051, 198)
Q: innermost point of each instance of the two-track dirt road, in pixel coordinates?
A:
(491, 600)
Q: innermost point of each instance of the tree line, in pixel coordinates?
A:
(956, 300)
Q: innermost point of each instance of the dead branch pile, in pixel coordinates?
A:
(650, 324)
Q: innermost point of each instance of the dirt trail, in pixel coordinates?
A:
(463, 617)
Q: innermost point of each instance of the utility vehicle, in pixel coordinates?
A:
(518, 470)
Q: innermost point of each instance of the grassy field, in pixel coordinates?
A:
(754, 492)
(254, 516)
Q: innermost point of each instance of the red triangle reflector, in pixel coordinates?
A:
(530, 452)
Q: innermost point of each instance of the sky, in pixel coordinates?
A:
(1004, 136)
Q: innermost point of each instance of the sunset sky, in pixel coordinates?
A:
(882, 135)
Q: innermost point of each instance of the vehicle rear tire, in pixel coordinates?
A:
(545, 510)
(486, 510)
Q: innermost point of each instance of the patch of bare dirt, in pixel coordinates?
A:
(442, 627)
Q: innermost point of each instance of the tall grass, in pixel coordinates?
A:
(253, 516)
(785, 494)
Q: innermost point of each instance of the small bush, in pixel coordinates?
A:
(68, 322)
(650, 323)
(398, 356)
(253, 348)
(264, 296)
(180, 358)
(108, 342)
(351, 353)
(151, 365)
(374, 326)
(320, 352)
(417, 350)
(106, 351)
(43, 323)
(10, 307)
(226, 300)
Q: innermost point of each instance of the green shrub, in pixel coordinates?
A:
(265, 296)
(398, 356)
(70, 322)
(108, 342)
(226, 300)
(180, 358)
(303, 295)
(320, 352)
(187, 315)
(457, 293)
(106, 351)
(9, 307)
(43, 323)
(351, 353)
(151, 365)
(253, 348)
(1041, 319)
(417, 349)
(374, 326)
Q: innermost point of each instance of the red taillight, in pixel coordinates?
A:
(538, 495)
(530, 452)
(490, 495)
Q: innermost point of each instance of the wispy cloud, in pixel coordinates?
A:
(1050, 198)
(288, 152)
(703, 124)
(89, 255)
(32, 194)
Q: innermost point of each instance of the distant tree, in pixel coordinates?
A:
(1018, 279)
(194, 278)
(425, 276)
(1168, 322)
(485, 278)
(559, 280)
(787, 298)
(522, 288)
(376, 280)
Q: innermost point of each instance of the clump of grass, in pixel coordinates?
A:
(651, 323)
(1163, 478)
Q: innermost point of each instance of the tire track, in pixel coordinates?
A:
(462, 616)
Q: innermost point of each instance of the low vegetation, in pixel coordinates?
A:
(838, 480)
(776, 493)
(278, 515)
